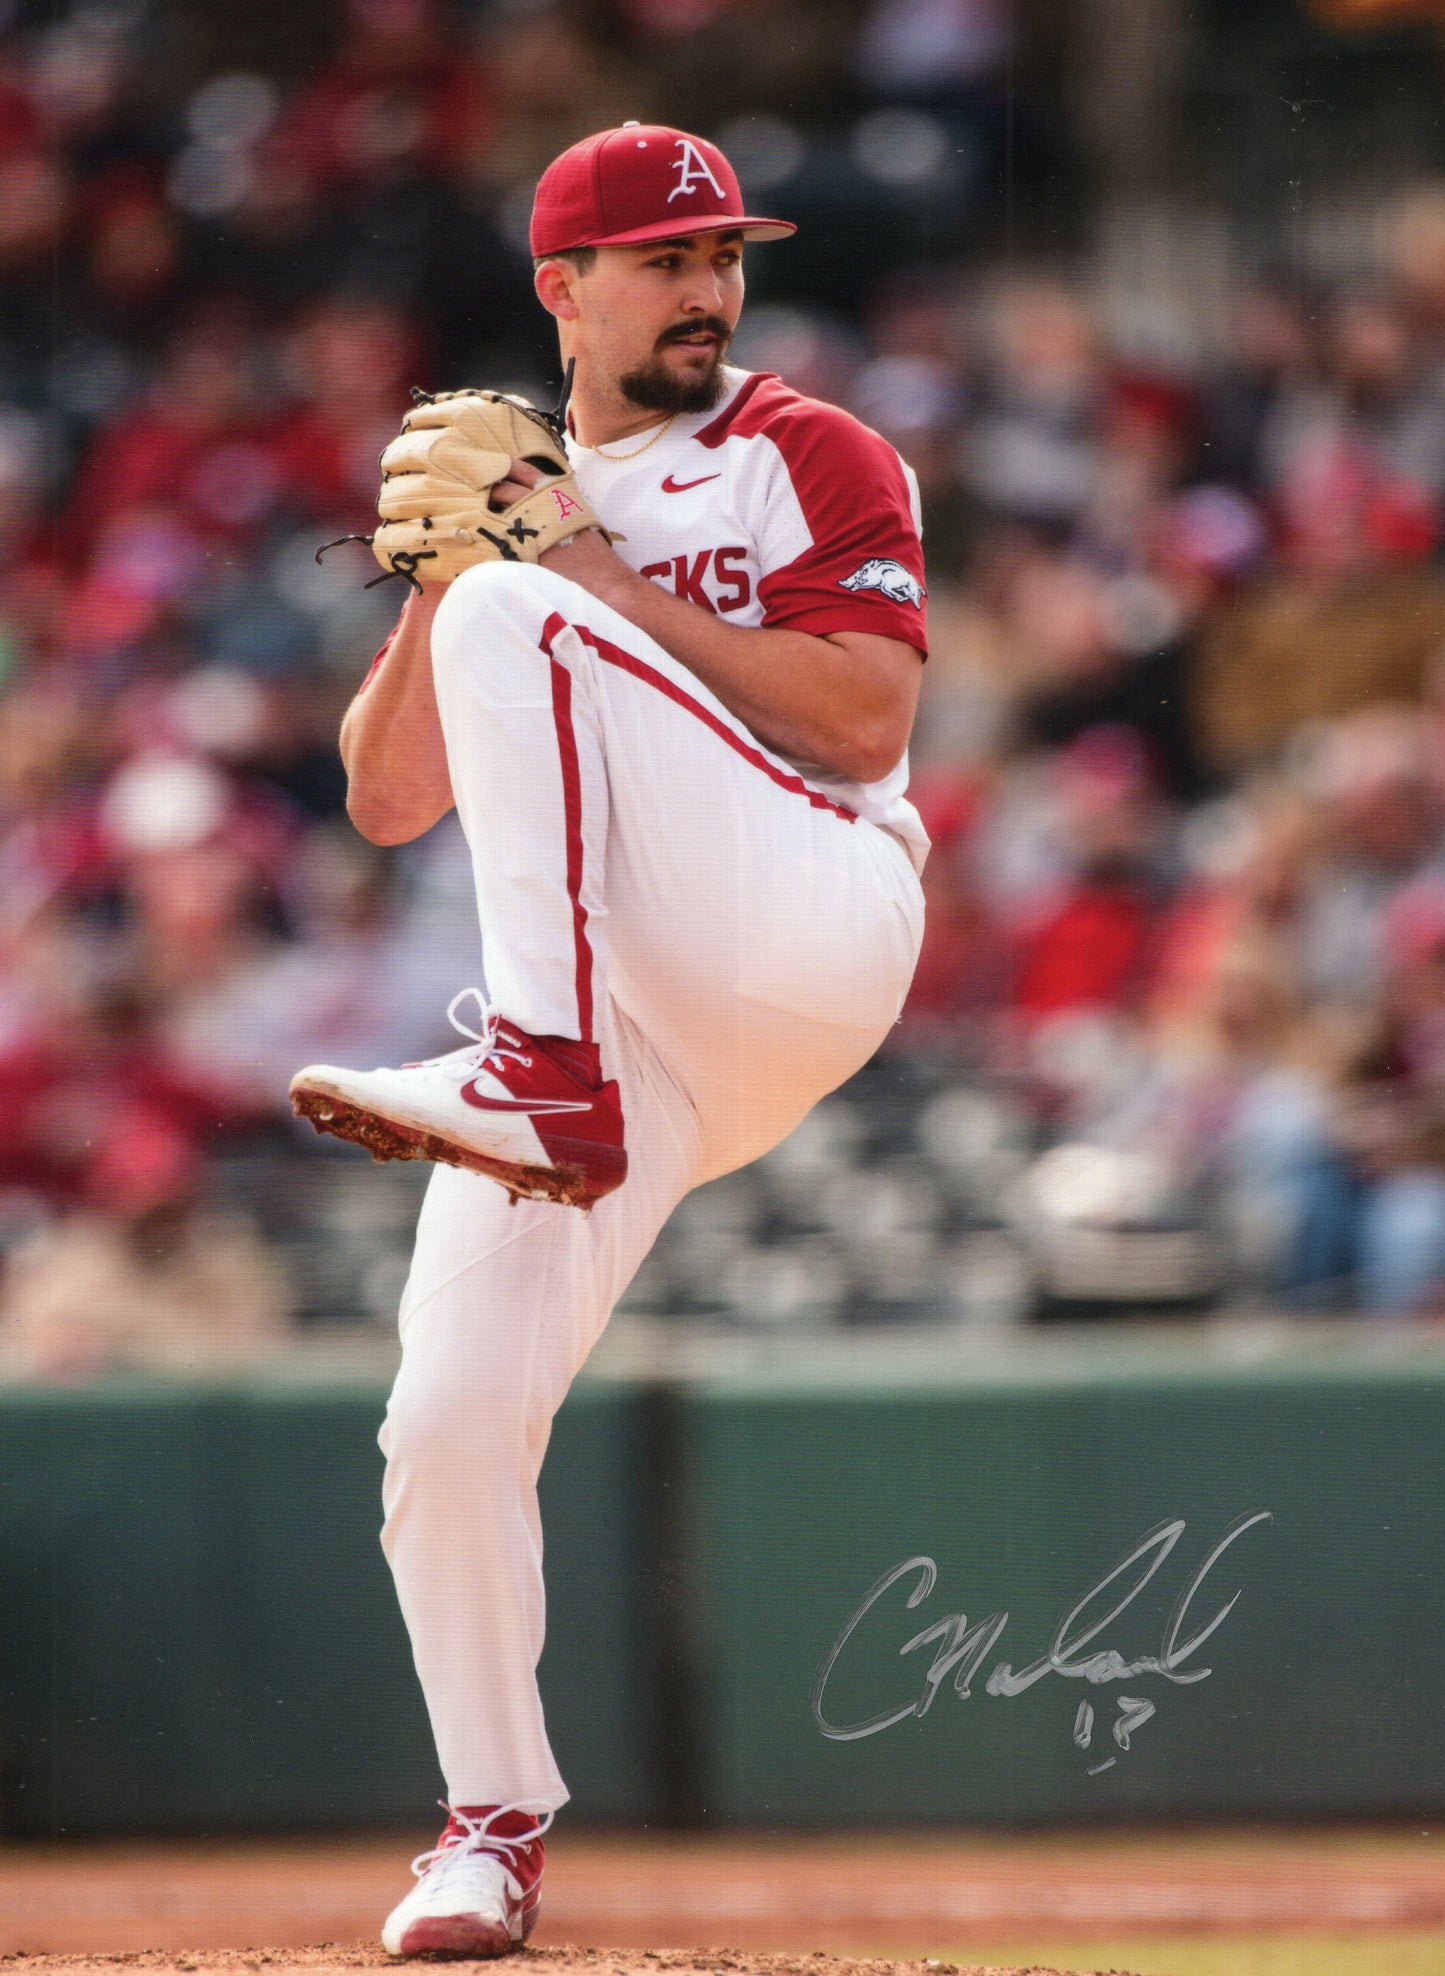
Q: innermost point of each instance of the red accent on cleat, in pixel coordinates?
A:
(479, 1888)
(532, 1112)
(577, 1115)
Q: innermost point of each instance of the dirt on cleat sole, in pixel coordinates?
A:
(457, 1935)
(385, 1140)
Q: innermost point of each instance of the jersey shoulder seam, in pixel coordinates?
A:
(764, 406)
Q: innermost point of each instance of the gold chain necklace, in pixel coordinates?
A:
(637, 449)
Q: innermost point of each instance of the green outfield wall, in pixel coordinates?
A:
(197, 1628)
(1326, 1689)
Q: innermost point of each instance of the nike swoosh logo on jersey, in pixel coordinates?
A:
(671, 486)
(538, 1107)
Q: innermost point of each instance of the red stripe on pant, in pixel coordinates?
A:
(639, 668)
(572, 812)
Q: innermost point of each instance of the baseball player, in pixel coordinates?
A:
(665, 665)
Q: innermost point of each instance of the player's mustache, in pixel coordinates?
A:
(714, 325)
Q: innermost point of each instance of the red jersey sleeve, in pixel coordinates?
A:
(841, 526)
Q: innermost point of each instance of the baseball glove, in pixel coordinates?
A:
(438, 475)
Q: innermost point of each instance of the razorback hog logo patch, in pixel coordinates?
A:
(898, 585)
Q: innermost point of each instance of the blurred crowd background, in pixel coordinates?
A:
(1152, 296)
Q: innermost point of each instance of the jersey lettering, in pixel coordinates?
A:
(685, 574)
(751, 510)
(687, 579)
(741, 587)
(692, 169)
(771, 471)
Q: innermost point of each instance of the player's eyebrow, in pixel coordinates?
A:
(686, 240)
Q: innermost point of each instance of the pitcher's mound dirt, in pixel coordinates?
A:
(327, 1957)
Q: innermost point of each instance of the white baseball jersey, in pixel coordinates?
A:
(777, 510)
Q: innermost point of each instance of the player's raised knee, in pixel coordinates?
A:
(497, 580)
(512, 586)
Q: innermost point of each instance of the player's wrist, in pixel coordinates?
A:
(422, 601)
(581, 555)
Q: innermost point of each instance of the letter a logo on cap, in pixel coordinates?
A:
(691, 168)
(620, 188)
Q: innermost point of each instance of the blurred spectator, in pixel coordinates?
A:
(1086, 942)
(1414, 258)
(1271, 357)
(1089, 650)
(88, 1079)
(143, 1277)
(960, 973)
(354, 362)
(36, 215)
(1031, 451)
(933, 53)
(275, 241)
(1290, 649)
(1382, 816)
(336, 991)
(913, 392)
(553, 83)
(399, 96)
(814, 352)
(1253, 871)
(199, 453)
(30, 594)
(133, 254)
(1369, 1228)
(19, 114)
(1354, 460)
(1181, 732)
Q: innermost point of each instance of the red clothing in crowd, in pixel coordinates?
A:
(400, 92)
(1089, 952)
(73, 1105)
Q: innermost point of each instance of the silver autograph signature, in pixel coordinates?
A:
(961, 1648)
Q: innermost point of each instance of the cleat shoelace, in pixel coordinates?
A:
(475, 1835)
(495, 1039)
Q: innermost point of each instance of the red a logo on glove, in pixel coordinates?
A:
(565, 504)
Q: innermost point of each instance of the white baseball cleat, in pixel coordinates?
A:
(477, 1890)
(530, 1111)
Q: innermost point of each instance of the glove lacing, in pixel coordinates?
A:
(404, 561)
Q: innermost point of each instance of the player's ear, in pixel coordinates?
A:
(554, 282)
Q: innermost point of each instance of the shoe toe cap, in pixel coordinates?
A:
(477, 1935)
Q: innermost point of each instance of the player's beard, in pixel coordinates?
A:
(653, 387)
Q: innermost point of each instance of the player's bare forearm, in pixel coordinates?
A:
(391, 739)
(845, 702)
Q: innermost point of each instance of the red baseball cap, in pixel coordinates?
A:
(642, 182)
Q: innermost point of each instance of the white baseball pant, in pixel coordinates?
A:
(647, 873)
